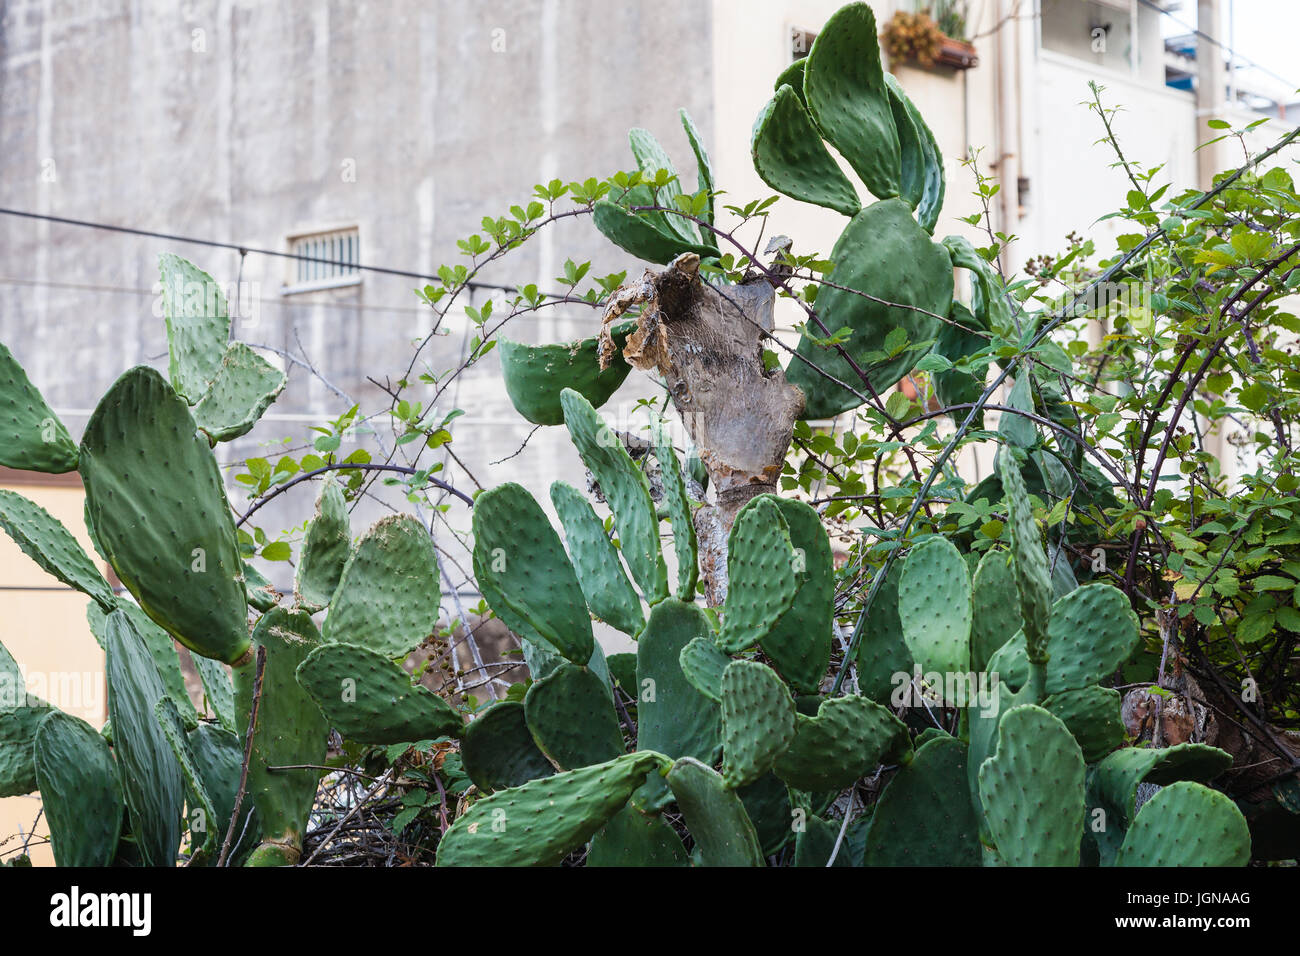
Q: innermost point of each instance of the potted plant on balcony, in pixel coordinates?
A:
(932, 35)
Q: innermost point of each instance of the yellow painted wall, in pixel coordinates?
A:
(46, 632)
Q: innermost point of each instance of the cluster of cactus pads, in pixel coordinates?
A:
(727, 722)
(723, 717)
(157, 512)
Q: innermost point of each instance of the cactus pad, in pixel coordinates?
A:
(543, 821)
(158, 507)
(151, 778)
(724, 835)
(497, 750)
(290, 731)
(789, 156)
(325, 550)
(388, 595)
(572, 719)
(1186, 824)
(799, 645)
(31, 436)
(536, 374)
(198, 325)
(678, 505)
(673, 717)
(1092, 715)
(996, 606)
(703, 663)
(244, 387)
(912, 299)
(626, 490)
(80, 791)
(849, 737)
(633, 838)
(371, 700)
(845, 88)
(604, 583)
(757, 721)
(934, 605)
(761, 575)
(1032, 790)
(882, 651)
(525, 575)
(923, 818)
(43, 538)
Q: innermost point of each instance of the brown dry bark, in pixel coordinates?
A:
(706, 343)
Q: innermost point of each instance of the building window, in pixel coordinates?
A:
(1102, 32)
(325, 260)
(801, 42)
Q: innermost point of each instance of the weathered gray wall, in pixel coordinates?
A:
(109, 113)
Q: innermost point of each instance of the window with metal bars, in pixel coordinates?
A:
(326, 259)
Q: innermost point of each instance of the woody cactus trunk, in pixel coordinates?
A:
(708, 348)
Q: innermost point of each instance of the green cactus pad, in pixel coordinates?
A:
(959, 339)
(158, 506)
(702, 663)
(1033, 582)
(638, 235)
(724, 835)
(845, 88)
(651, 157)
(789, 156)
(13, 690)
(161, 648)
(1092, 715)
(673, 717)
(882, 651)
(923, 817)
(217, 690)
(762, 576)
(1032, 790)
(536, 374)
(799, 645)
(291, 731)
(543, 821)
(604, 583)
(497, 750)
(43, 538)
(371, 700)
(261, 594)
(31, 436)
(206, 829)
(1186, 824)
(18, 726)
(678, 505)
(572, 719)
(921, 166)
(626, 490)
(911, 179)
(704, 167)
(849, 737)
(934, 605)
(388, 595)
(757, 721)
(913, 299)
(996, 605)
(244, 387)
(325, 549)
(219, 759)
(525, 575)
(151, 778)
(80, 791)
(1115, 781)
(1091, 632)
(767, 802)
(633, 838)
(198, 325)
(987, 301)
(622, 671)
